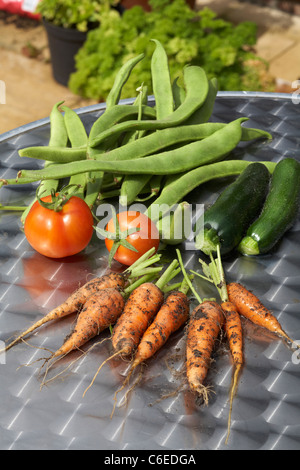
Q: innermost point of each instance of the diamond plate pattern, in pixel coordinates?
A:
(266, 413)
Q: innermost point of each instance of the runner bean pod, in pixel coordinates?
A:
(150, 144)
(58, 131)
(115, 115)
(161, 82)
(95, 179)
(78, 138)
(157, 141)
(213, 148)
(54, 154)
(196, 84)
(58, 137)
(75, 129)
(141, 99)
(178, 93)
(203, 114)
(120, 80)
(131, 187)
(133, 184)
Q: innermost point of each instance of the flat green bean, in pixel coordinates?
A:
(133, 184)
(196, 84)
(126, 186)
(164, 106)
(120, 80)
(75, 129)
(96, 178)
(161, 82)
(213, 148)
(178, 93)
(131, 187)
(203, 114)
(111, 115)
(156, 183)
(152, 187)
(114, 115)
(141, 99)
(58, 137)
(174, 192)
(157, 141)
(16, 181)
(78, 138)
(140, 148)
(54, 154)
(58, 131)
(251, 133)
(133, 149)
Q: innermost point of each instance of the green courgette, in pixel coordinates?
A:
(226, 221)
(279, 212)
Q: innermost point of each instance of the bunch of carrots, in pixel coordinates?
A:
(143, 310)
(209, 317)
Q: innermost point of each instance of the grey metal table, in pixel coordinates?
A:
(266, 412)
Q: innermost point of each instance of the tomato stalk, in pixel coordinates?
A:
(58, 199)
(118, 237)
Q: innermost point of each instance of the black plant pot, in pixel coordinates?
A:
(64, 44)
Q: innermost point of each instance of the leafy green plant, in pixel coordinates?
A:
(188, 37)
(79, 14)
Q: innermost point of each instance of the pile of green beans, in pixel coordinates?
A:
(138, 152)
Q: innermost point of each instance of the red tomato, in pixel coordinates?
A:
(58, 234)
(143, 240)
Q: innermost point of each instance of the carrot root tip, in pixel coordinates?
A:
(125, 398)
(117, 353)
(232, 395)
(203, 393)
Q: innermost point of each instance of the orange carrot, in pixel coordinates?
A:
(234, 333)
(249, 305)
(75, 302)
(140, 308)
(111, 280)
(203, 330)
(172, 315)
(233, 324)
(204, 326)
(100, 310)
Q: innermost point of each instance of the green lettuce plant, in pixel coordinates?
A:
(79, 14)
(189, 37)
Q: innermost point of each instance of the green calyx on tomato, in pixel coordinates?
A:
(128, 235)
(58, 199)
(118, 238)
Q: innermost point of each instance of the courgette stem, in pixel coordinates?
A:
(249, 246)
(210, 241)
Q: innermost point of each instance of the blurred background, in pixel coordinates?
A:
(246, 44)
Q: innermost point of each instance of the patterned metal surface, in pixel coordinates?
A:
(266, 412)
